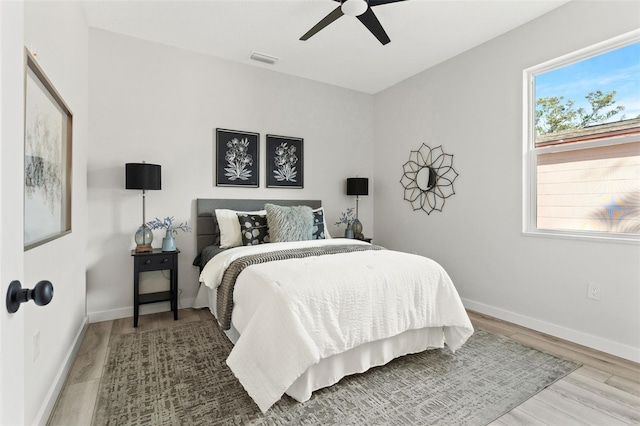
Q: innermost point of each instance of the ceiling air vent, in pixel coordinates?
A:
(260, 57)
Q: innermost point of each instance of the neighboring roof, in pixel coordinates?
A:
(617, 128)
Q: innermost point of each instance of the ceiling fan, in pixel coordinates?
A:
(360, 9)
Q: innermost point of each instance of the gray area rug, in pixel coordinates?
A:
(178, 376)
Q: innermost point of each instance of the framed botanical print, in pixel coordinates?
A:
(237, 158)
(285, 162)
(47, 159)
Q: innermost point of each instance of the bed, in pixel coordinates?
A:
(303, 313)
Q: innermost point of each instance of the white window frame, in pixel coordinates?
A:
(530, 152)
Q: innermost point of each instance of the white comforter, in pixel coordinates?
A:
(292, 313)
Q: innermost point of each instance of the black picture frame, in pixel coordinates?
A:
(285, 162)
(237, 158)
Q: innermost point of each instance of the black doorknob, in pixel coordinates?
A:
(41, 294)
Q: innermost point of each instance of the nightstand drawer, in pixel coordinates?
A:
(155, 263)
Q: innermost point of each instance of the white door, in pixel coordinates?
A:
(11, 209)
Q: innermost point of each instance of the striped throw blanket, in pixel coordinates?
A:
(225, 290)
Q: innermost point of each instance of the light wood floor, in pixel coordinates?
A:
(604, 391)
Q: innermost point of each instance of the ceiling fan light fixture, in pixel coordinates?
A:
(354, 7)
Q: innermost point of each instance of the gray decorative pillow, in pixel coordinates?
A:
(318, 225)
(289, 223)
(254, 229)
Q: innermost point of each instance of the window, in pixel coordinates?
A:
(582, 143)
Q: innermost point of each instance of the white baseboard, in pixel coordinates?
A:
(56, 387)
(584, 339)
(127, 312)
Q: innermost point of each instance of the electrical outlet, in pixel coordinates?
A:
(36, 345)
(594, 291)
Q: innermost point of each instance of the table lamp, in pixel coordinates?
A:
(357, 186)
(145, 177)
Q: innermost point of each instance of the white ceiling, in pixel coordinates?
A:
(423, 33)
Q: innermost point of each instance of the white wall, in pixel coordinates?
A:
(472, 105)
(58, 33)
(162, 105)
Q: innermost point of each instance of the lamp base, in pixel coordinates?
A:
(357, 229)
(143, 239)
(144, 248)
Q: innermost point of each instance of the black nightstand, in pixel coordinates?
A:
(368, 240)
(157, 260)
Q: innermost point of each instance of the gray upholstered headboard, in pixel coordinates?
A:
(206, 231)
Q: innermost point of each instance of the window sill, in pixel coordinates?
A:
(584, 236)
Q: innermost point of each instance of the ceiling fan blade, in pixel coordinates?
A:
(379, 2)
(370, 21)
(337, 12)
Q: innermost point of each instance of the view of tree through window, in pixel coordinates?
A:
(586, 125)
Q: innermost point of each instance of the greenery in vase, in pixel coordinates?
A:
(167, 223)
(347, 217)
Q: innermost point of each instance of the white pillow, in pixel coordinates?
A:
(229, 225)
(324, 219)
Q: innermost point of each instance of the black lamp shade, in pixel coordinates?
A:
(358, 186)
(143, 176)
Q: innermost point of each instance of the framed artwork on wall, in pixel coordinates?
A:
(237, 158)
(47, 159)
(285, 162)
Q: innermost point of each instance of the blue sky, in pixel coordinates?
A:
(617, 70)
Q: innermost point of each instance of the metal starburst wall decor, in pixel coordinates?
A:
(428, 178)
